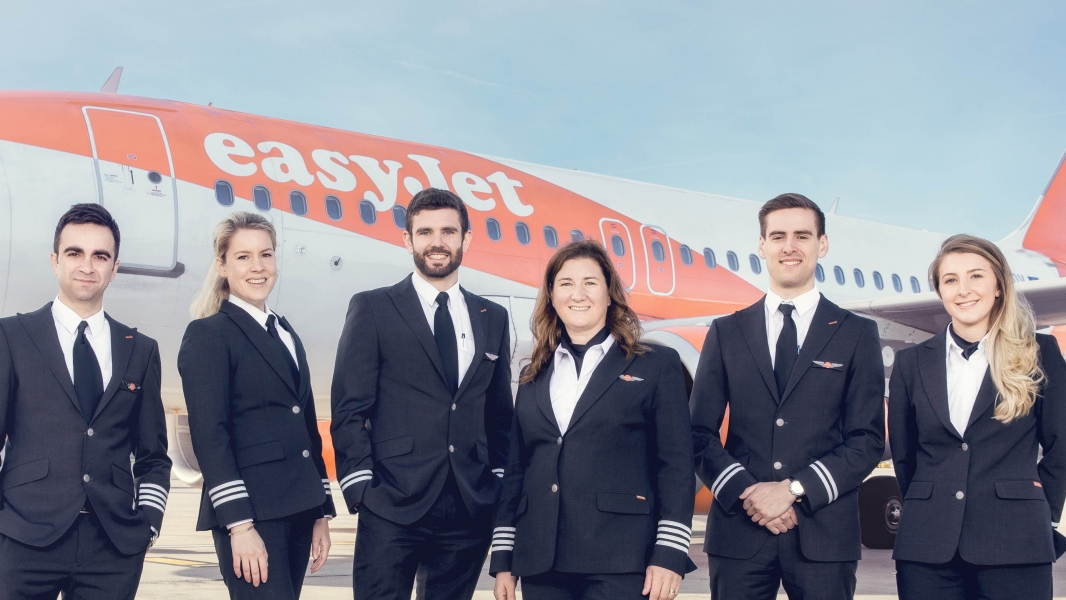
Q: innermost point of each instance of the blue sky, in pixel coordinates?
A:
(943, 116)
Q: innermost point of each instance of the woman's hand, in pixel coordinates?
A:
(659, 584)
(319, 544)
(249, 556)
(505, 585)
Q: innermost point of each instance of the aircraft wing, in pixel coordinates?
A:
(926, 313)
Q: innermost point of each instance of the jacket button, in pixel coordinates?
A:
(453, 407)
(306, 453)
(559, 441)
(90, 432)
(296, 410)
(965, 446)
(451, 448)
(960, 495)
(85, 478)
(777, 466)
(555, 488)
(780, 422)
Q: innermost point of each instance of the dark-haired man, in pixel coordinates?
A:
(422, 411)
(804, 384)
(79, 394)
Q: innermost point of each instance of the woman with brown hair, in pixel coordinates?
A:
(969, 412)
(597, 497)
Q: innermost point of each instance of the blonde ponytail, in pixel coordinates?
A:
(215, 288)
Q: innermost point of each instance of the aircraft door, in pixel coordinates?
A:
(135, 180)
(659, 258)
(619, 244)
(5, 233)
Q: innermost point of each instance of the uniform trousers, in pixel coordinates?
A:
(960, 580)
(288, 546)
(446, 548)
(83, 564)
(780, 562)
(555, 585)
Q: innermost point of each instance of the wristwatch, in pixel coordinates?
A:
(796, 488)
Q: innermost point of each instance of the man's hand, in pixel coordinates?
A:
(767, 501)
(319, 544)
(505, 586)
(784, 522)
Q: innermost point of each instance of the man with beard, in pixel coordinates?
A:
(421, 416)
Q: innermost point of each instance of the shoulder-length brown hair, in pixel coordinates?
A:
(548, 327)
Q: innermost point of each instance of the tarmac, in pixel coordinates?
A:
(182, 565)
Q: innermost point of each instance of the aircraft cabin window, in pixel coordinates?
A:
(224, 192)
(298, 203)
(399, 216)
(859, 279)
(897, 283)
(261, 197)
(839, 274)
(493, 227)
(155, 177)
(709, 259)
(618, 246)
(550, 237)
(334, 210)
(657, 251)
(879, 283)
(734, 262)
(819, 273)
(915, 286)
(367, 212)
(686, 254)
(522, 231)
(756, 266)
(576, 235)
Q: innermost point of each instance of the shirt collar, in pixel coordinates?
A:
(804, 303)
(70, 320)
(428, 294)
(954, 348)
(258, 315)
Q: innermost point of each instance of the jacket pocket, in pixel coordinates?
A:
(919, 490)
(394, 447)
(1021, 489)
(25, 473)
(482, 452)
(122, 478)
(626, 504)
(259, 454)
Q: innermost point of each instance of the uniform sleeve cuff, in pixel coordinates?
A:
(730, 484)
(819, 486)
(353, 486)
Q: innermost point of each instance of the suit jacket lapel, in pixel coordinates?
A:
(121, 351)
(606, 374)
(826, 322)
(262, 342)
(301, 362)
(986, 398)
(934, 371)
(474, 306)
(544, 396)
(753, 324)
(406, 299)
(42, 329)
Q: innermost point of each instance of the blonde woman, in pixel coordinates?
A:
(266, 497)
(969, 411)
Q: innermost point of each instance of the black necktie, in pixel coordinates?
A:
(787, 349)
(88, 381)
(444, 332)
(967, 347)
(293, 369)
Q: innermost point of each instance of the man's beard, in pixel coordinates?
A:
(438, 272)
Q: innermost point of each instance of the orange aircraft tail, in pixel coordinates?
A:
(1047, 227)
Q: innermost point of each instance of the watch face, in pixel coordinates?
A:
(796, 488)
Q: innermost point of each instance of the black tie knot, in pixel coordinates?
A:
(442, 299)
(82, 327)
(786, 309)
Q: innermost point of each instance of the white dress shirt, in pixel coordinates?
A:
(98, 333)
(567, 384)
(964, 381)
(464, 334)
(261, 318)
(805, 304)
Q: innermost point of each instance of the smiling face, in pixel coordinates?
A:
(581, 296)
(792, 248)
(249, 266)
(84, 266)
(969, 290)
(437, 243)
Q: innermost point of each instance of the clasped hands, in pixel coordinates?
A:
(770, 505)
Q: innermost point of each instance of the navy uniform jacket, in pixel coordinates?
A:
(827, 431)
(983, 493)
(56, 460)
(253, 430)
(614, 493)
(397, 429)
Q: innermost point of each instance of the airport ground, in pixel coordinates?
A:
(183, 566)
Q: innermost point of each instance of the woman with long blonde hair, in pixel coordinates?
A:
(597, 497)
(969, 412)
(266, 496)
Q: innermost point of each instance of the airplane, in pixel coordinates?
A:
(169, 171)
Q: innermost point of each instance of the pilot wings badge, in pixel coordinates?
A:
(629, 378)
